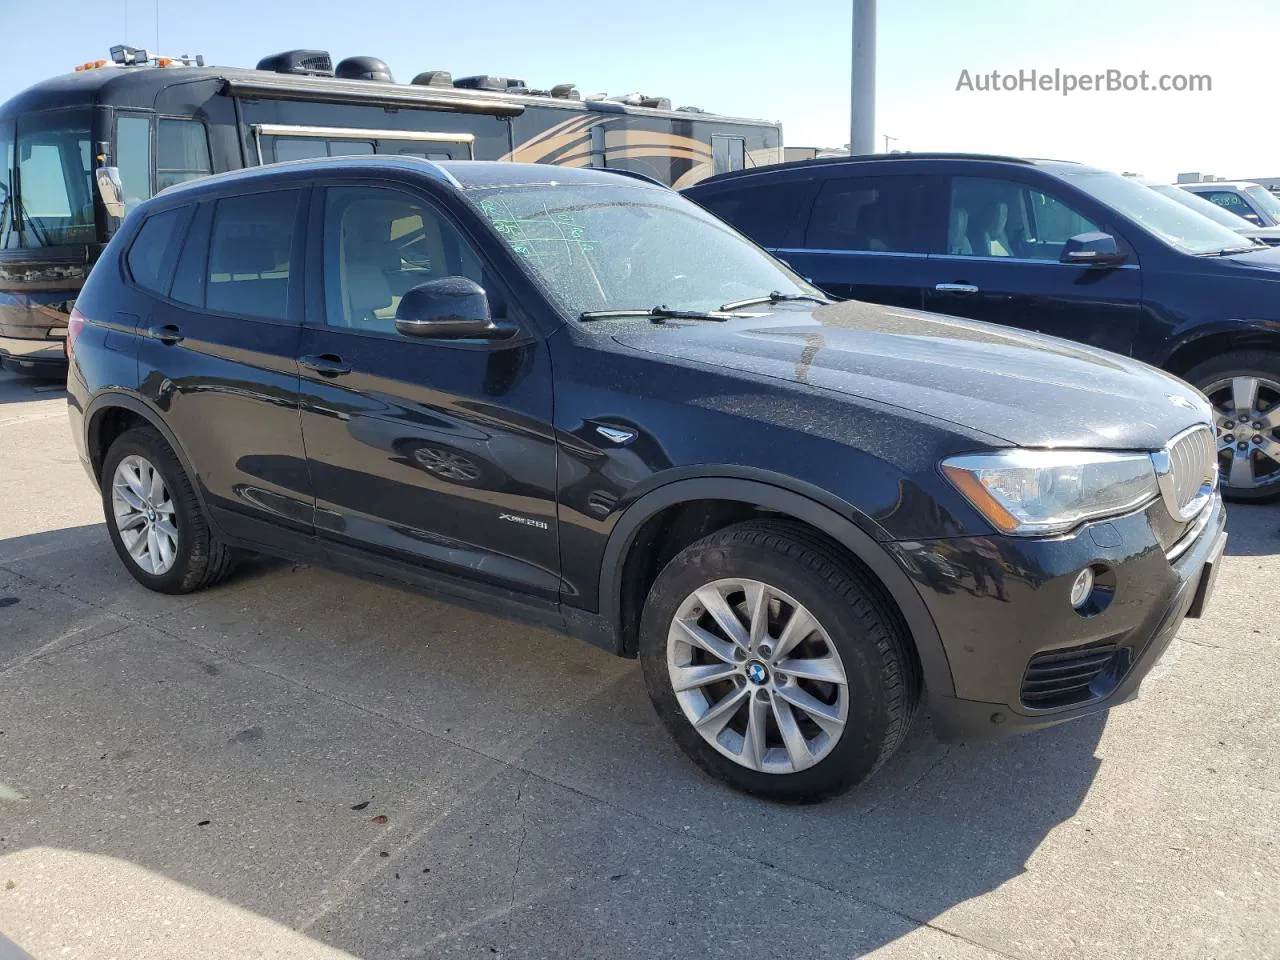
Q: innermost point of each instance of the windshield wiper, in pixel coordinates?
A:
(1227, 251)
(774, 297)
(655, 315)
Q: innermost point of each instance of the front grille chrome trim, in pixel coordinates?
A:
(1187, 471)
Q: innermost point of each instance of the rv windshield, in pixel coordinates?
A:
(47, 180)
(598, 247)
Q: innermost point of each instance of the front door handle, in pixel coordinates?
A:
(956, 288)
(325, 364)
(167, 334)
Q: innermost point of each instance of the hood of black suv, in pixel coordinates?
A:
(1026, 389)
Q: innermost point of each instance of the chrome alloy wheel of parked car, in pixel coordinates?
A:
(757, 676)
(1246, 413)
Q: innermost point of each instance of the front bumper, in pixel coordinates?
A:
(1001, 607)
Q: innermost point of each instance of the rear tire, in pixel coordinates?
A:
(857, 642)
(171, 548)
(1227, 380)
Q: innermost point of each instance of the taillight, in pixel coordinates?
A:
(75, 323)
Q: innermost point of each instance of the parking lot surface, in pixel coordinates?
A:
(298, 764)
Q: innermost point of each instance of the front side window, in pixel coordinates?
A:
(884, 214)
(149, 251)
(250, 251)
(1004, 218)
(133, 158)
(619, 246)
(377, 245)
(1230, 200)
(182, 151)
(52, 179)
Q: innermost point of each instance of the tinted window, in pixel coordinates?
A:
(727, 154)
(884, 214)
(308, 148)
(1229, 201)
(154, 242)
(133, 158)
(764, 213)
(182, 152)
(250, 249)
(1003, 218)
(380, 243)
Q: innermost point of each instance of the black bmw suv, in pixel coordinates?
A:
(1049, 246)
(581, 400)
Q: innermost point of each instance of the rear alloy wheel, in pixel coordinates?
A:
(155, 520)
(776, 663)
(1244, 389)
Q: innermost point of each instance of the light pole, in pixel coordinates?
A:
(862, 80)
(887, 138)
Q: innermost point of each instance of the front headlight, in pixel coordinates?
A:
(1032, 493)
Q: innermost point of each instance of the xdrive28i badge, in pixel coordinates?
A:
(527, 521)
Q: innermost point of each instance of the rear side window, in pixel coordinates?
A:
(250, 251)
(149, 253)
(885, 214)
(764, 213)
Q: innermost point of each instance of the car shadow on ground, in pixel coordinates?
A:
(307, 762)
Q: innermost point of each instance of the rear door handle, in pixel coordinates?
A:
(168, 334)
(956, 288)
(325, 364)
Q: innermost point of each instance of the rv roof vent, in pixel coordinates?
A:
(690, 110)
(496, 84)
(565, 91)
(308, 63)
(433, 78)
(364, 68)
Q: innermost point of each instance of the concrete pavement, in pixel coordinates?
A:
(299, 764)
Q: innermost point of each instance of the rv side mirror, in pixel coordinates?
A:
(110, 189)
(1092, 249)
(451, 308)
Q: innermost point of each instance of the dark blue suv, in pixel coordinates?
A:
(1049, 246)
(581, 400)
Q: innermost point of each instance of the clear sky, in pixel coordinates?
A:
(786, 61)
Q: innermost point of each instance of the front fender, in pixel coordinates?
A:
(824, 516)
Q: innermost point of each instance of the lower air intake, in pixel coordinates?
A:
(1060, 678)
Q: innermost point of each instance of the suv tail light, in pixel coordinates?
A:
(75, 323)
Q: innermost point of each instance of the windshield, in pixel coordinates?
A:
(1181, 228)
(48, 193)
(599, 247)
(1265, 201)
(1200, 205)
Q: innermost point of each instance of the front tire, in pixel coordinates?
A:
(155, 521)
(1244, 388)
(776, 664)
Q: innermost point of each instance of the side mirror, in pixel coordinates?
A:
(1092, 249)
(451, 308)
(111, 189)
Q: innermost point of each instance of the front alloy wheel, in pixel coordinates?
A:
(757, 676)
(144, 515)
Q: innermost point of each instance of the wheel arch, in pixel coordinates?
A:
(771, 496)
(1212, 343)
(98, 414)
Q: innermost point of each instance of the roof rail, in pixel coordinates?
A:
(635, 175)
(864, 158)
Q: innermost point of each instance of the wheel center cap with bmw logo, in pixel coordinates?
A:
(756, 672)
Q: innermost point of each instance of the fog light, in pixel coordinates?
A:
(1081, 589)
